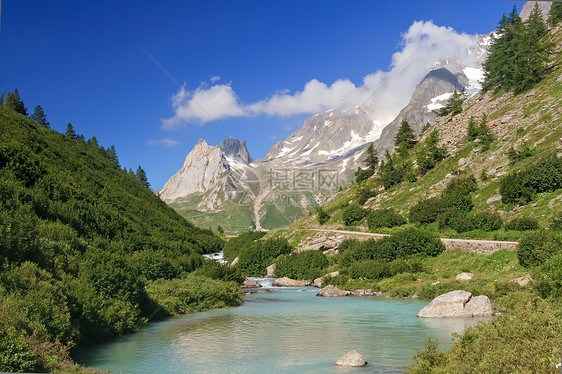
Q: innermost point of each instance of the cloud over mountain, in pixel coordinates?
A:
(383, 92)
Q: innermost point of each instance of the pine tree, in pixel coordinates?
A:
(141, 176)
(93, 142)
(80, 139)
(14, 101)
(472, 132)
(112, 155)
(70, 133)
(220, 230)
(518, 57)
(555, 15)
(454, 105)
(405, 139)
(2, 98)
(372, 159)
(430, 153)
(39, 117)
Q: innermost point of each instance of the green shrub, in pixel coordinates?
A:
(214, 270)
(322, 215)
(353, 214)
(254, 260)
(384, 218)
(411, 241)
(556, 224)
(234, 246)
(537, 247)
(426, 211)
(301, 265)
(457, 194)
(194, 294)
(364, 193)
(370, 269)
(522, 224)
(548, 278)
(354, 251)
(543, 176)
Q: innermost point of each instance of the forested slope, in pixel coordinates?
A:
(80, 241)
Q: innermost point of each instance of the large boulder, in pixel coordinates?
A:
(465, 277)
(250, 284)
(332, 291)
(457, 304)
(367, 292)
(270, 271)
(288, 282)
(352, 359)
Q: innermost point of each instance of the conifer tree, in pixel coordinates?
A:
(39, 117)
(555, 15)
(372, 159)
(472, 132)
(93, 142)
(112, 155)
(405, 139)
(70, 133)
(14, 101)
(141, 176)
(2, 98)
(454, 105)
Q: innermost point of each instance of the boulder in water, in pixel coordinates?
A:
(250, 284)
(288, 282)
(352, 359)
(332, 291)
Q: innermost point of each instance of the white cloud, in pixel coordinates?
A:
(163, 142)
(385, 93)
(215, 78)
(203, 105)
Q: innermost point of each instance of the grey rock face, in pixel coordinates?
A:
(528, 8)
(434, 85)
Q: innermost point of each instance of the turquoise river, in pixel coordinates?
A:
(289, 330)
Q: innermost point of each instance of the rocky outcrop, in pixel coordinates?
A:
(367, 292)
(332, 291)
(522, 281)
(270, 271)
(234, 262)
(250, 284)
(462, 277)
(457, 304)
(318, 281)
(352, 359)
(288, 282)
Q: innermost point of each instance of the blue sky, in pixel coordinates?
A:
(113, 68)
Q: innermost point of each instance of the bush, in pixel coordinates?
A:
(353, 214)
(457, 194)
(194, 294)
(522, 224)
(351, 251)
(254, 260)
(322, 215)
(426, 211)
(544, 176)
(548, 278)
(535, 248)
(370, 269)
(301, 265)
(234, 246)
(410, 241)
(384, 218)
(215, 270)
(485, 221)
(364, 193)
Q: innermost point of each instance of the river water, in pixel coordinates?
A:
(289, 330)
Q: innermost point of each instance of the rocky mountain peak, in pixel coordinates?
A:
(235, 149)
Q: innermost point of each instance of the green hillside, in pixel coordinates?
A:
(86, 248)
(490, 168)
